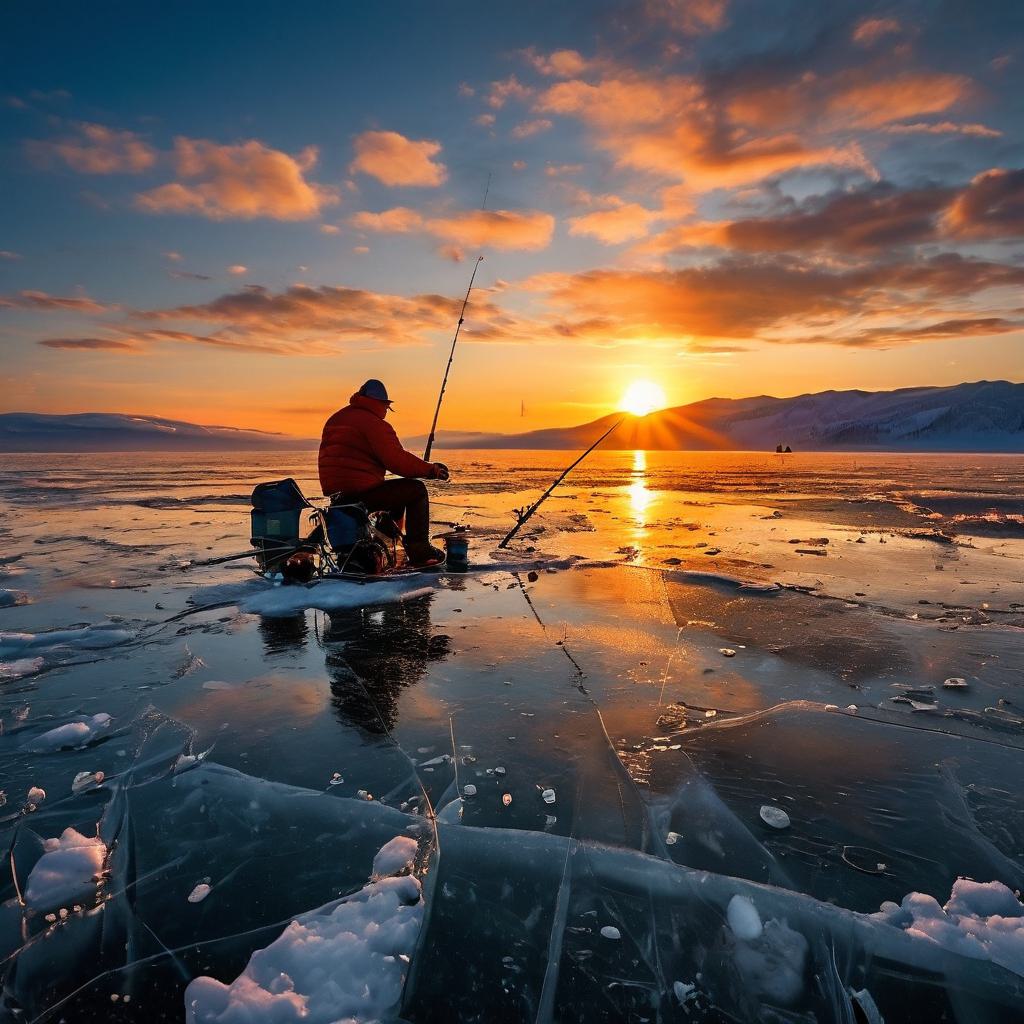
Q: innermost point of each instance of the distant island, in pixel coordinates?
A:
(985, 416)
(117, 432)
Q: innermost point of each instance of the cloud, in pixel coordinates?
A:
(691, 17)
(891, 337)
(96, 149)
(618, 223)
(174, 257)
(527, 230)
(485, 120)
(330, 229)
(525, 129)
(670, 126)
(237, 269)
(188, 275)
(305, 320)
(8, 254)
(42, 301)
(397, 220)
(507, 89)
(878, 217)
(560, 170)
(778, 300)
(992, 206)
(557, 64)
(869, 30)
(239, 182)
(943, 128)
(872, 104)
(90, 344)
(393, 159)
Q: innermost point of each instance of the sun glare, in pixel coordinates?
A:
(642, 397)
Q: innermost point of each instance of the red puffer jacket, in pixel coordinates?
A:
(358, 447)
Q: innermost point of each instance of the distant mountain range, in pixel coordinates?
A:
(114, 432)
(983, 416)
(986, 416)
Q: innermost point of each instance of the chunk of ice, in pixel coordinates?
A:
(87, 780)
(548, 796)
(609, 931)
(74, 735)
(774, 817)
(68, 871)
(743, 918)
(199, 893)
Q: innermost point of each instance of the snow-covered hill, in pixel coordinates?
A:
(981, 416)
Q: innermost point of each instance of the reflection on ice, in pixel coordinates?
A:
(536, 791)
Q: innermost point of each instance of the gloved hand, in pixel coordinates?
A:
(441, 471)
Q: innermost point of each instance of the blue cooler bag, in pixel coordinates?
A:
(277, 509)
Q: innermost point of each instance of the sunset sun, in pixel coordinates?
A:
(642, 397)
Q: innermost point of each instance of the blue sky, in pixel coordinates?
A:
(236, 212)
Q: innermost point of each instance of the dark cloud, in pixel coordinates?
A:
(89, 344)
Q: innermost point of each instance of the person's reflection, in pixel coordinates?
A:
(281, 635)
(373, 653)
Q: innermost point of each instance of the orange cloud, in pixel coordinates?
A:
(239, 182)
(619, 223)
(527, 230)
(96, 149)
(558, 63)
(670, 126)
(393, 159)
(871, 104)
(780, 300)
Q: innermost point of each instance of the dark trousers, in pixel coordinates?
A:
(400, 497)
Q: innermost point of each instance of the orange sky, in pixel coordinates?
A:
(687, 192)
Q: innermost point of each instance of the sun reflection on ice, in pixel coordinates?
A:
(639, 495)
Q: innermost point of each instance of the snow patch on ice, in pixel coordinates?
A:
(72, 735)
(332, 595)
(981, 920)
(67, 872)
(344, 962)
(394, 857)
(19, 667)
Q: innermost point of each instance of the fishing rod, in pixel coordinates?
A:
(458, 327)
(451, 357)
(524, 514)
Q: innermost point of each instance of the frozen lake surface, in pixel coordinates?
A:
(724, 737)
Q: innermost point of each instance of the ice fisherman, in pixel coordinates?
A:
(358, 448)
